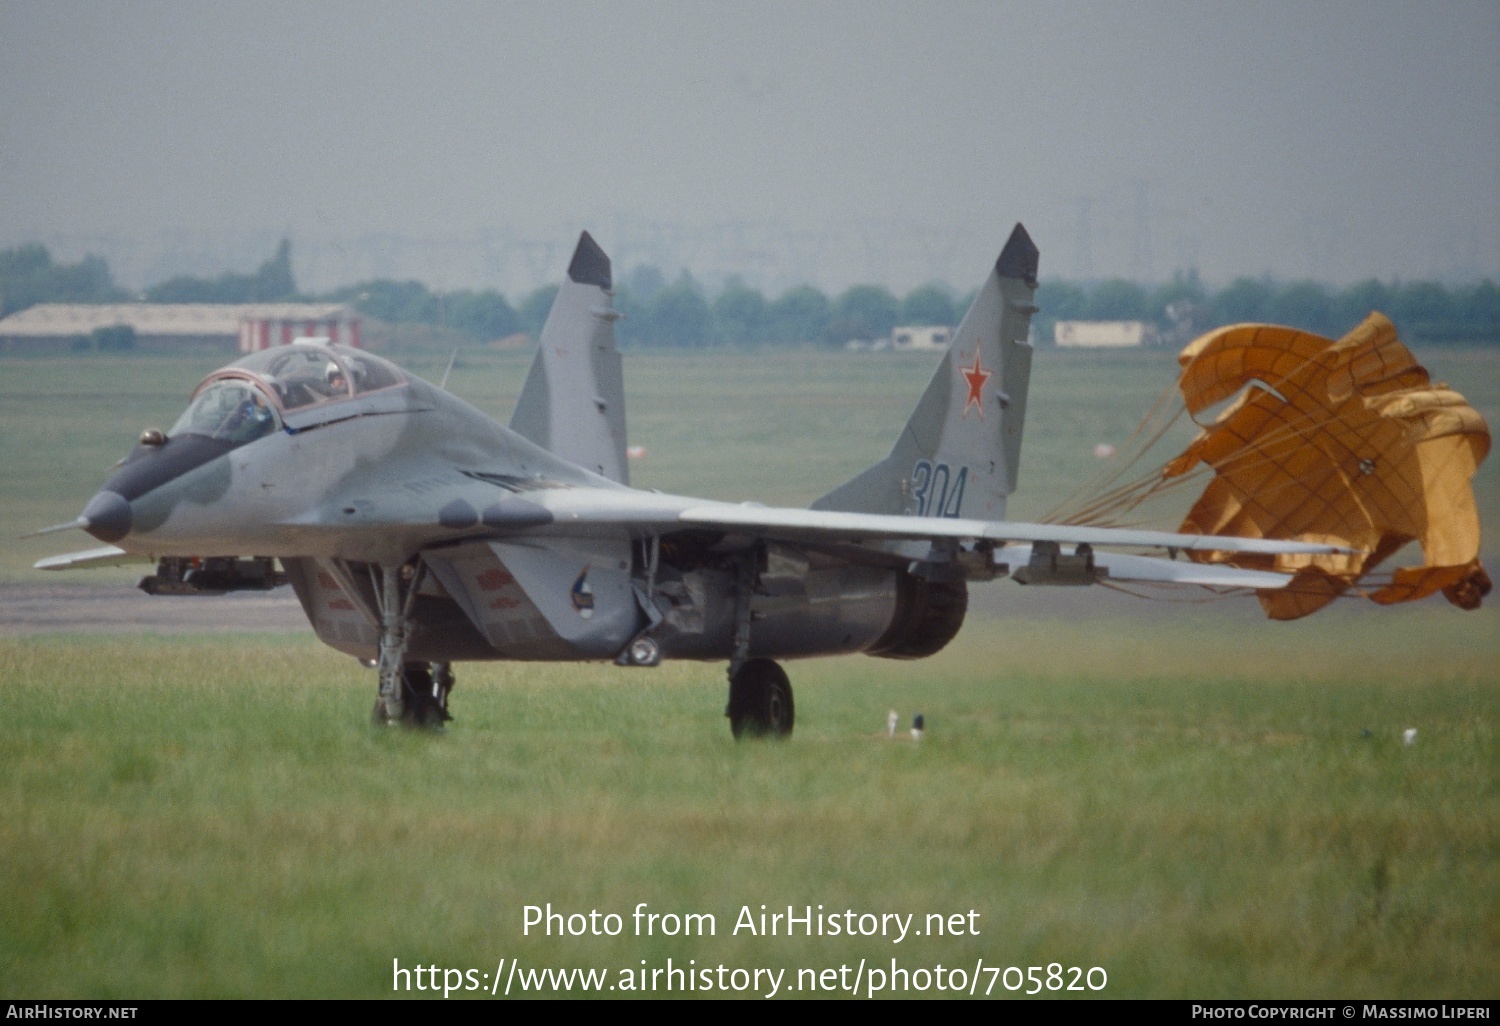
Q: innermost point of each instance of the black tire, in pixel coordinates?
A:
(760, 701)
(420, 707)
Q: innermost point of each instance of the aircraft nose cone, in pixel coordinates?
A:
(108, 516)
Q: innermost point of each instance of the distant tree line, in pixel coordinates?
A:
(272, 282)
(28, 276)
(1423, 311)
(683, 314)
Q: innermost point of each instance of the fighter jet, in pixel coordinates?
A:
(418, 532)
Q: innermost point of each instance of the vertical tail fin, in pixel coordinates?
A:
(959, 454)
(573, 402)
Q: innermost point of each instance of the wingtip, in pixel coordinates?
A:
(1020, 258)
(590, 264)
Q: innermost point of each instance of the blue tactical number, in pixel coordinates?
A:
(955, 495)
(921, 481)
(938, 491)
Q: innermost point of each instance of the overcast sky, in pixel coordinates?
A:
(839, 141)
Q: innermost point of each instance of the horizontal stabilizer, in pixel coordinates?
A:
(1118, 566)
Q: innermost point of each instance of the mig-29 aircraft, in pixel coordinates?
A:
(418, 532)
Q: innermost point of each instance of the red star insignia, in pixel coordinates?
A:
(976, 376)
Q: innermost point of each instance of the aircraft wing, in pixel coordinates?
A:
(829, 525)
(590, 511)
(1021, 547)
(1119, 566)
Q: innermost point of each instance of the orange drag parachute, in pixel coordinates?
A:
(1345, 442)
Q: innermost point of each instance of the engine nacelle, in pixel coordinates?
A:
(928, 615)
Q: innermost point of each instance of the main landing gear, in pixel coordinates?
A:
(760, 700)
(760, 696)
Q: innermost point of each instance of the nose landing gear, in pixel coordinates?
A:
(411, 693)
(424, 694)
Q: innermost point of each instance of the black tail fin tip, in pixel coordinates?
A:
(1019, 259)
(590, 265)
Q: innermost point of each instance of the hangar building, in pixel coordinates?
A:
(1102, 334)
(245, 327)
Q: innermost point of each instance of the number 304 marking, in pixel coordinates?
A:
(938, 491)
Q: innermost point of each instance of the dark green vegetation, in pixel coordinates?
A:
(1423, 311)
(1182, 795)
(683, 314)
(28, 275)
(271, 281)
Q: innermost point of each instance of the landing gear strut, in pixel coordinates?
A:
(760, 701)
(424, 698)
(411, 693)
(760, 696)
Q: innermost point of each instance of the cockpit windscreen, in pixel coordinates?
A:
(304, 375)
(230, 410)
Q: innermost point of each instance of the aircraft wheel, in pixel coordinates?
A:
(425, 706)
(760, 701)
(442, 681)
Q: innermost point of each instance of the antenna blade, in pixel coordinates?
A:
(451, 361)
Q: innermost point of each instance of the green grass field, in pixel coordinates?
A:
(1197, 801)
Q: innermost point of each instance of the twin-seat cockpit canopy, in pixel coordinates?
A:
(254, 396)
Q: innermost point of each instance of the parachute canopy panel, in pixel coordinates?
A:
(1346, 442)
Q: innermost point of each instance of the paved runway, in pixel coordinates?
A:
(90, 608)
